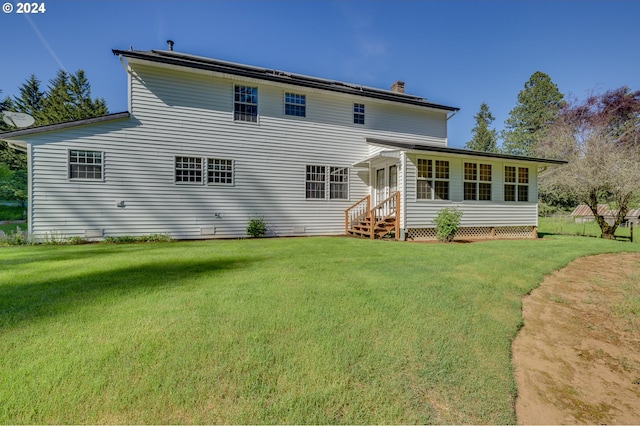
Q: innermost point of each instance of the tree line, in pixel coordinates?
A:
(598, 136)
(67, 97)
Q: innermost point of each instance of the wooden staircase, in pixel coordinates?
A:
(363, 221)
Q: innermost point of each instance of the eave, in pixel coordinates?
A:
(7, 136)
(266, 74)
(415, 148)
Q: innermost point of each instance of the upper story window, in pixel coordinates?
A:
(477, 181)
(295, 105)
(433, 179)
(358, 113)
(516, 183)
(245, 104)
(85, 165)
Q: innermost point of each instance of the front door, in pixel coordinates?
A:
(381, 186)
(393, 179)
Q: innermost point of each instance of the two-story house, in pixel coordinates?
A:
(206, 145)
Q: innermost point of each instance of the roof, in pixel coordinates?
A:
(457, 151)
(584, 210)
(198, 62)
(603, 210)
(65, 125)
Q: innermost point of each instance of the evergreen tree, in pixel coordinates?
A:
(80, 92)
(9, 157)
(5, 105)
(483, 138)
(31, 99)
(537, 108)
(57, 105)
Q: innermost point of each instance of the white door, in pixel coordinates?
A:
(393, 179)
(381, 186)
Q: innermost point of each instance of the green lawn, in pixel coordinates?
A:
(8, 228)
(568, 226)
(298, 330)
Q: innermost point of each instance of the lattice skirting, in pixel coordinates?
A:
(475, 232)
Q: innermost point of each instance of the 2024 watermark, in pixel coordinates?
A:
(31, 8)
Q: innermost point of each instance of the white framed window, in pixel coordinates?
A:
(188, 170)
(358, 113)
(295, 104)
(432, 179)
(219, 171)
(477, 182)
(85, 164)
(319, 178)
(245, 104)
(338, 183)
(516, 183)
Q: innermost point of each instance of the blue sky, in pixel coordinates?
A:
(458, 53)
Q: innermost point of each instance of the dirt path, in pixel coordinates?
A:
(577, 358)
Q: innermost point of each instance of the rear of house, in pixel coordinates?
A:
(206, 145)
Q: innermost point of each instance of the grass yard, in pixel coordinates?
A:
(299, 330)
(8, 228)
(568, 226)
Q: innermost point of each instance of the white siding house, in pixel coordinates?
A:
(207, 145)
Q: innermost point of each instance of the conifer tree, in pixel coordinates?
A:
(80, 93)
(537, 108)
(483, 138)
(57, 106)
(31, 99)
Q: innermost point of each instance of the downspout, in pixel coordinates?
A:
(127, 69)
(403, 196)
(449, 117)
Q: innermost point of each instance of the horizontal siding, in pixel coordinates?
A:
(420, 213)
(191, 115)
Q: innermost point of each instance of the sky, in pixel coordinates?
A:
(458, 53)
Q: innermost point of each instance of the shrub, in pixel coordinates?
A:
(447, 223)
(150, 238)
(257, 227)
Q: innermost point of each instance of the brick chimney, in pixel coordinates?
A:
(398, 87)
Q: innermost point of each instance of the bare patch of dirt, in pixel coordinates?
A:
(577, 357)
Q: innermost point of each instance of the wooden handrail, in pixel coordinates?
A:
(362, 211)
(358, 202)
(390, 207)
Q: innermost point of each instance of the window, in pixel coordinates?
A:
(317, 180)
(477, 181)
(295, 105)
(433, 182)
(358, 113)
(85, 165)
(220, 171)
(188, 170)
(516, 186)
(338, 183)
(245, 105)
